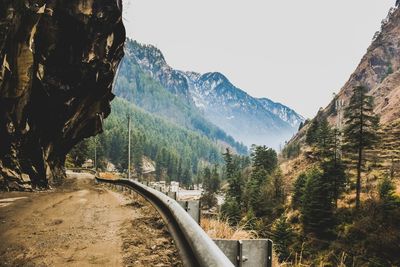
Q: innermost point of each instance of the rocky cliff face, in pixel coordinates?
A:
(379, 71)
(58, 61)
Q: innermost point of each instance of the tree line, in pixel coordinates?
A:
(176, 151)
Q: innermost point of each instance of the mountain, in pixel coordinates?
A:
(379, 71)
(247, 119)
(139, 87)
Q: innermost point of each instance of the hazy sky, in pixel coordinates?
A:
(297, 52)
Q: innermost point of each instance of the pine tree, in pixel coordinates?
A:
(264, 158)
(234, 178)
(253, 191)
(236, 187)
(311, 136)
(317, 207)
(231, 210)
(207, 179)
(298, 193)
(186, 177)
(208, 198)
(278, 185)
(361, 130)
(387, 195)
(335, 176)
(324, 139)
(215, 180)
(283, 236)
(229, 165)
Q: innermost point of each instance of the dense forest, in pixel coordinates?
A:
(176, 151)
(342, 210)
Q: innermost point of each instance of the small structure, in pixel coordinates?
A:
(88, 164)
(174, 187)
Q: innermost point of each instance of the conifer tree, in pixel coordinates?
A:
(215, 180)
(234, 178)
(317, 207)
(207, 179)
(254, 187)
(324, 139)
(311, 136)
(229, 165)
(264, 158)
(387, 195)
(264, 163)
(231, 210)
(283, 236)
(233, 204)
(298, 192)
(208, 196)
(361, 130)
(335, 177)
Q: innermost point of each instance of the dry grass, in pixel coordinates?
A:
(321, 262)
(397, 182)
(292, 168)
(219, 229)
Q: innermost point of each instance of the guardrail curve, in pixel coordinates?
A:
(195, 247)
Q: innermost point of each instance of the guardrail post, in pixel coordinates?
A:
(240, 253)
(269, 258)
(247, 253)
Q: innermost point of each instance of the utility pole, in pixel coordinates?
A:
(129, 147)
(95, 153)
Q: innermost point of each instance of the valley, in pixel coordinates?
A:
(77, 93)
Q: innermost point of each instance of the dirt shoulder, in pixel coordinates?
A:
(82, 224)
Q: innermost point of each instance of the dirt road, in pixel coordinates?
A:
(82, 224)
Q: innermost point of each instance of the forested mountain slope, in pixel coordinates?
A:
(176, 151)
(343, 167)
(214, 97)
(379, 72)
(140, 88)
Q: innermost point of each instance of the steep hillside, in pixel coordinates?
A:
(247, 119)
(159, 133)
(175, 151)
(379, 71)
(365, 211)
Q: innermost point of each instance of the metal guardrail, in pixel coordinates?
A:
(195, 247)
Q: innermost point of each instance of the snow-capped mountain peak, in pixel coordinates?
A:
(247, 119)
